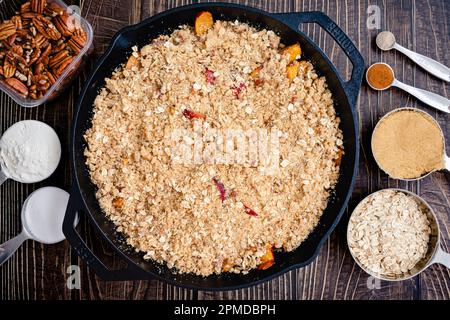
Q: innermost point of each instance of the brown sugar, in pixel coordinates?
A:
(380, 76)
(408, 144)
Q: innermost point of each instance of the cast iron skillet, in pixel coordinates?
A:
(82, 198)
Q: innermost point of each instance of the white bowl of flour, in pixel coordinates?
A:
(30, 151)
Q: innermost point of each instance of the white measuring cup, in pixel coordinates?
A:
(432, 99)
(51, 140)
(42, 219)
(435, 253)
(445, 157)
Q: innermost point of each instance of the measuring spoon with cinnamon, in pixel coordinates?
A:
(380, 76)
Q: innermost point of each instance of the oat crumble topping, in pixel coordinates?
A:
(231, 76)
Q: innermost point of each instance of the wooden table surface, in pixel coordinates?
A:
(40, 271)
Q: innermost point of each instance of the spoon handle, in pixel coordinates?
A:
(447, 163)
(442, 257)
(9, 247)
(3, 177)
(430, 98)
(432, 66)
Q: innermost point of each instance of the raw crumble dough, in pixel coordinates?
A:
(173, 213)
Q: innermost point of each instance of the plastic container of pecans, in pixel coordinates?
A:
(44, 45)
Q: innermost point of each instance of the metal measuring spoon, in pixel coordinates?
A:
(11, 133)
(386, 41)
(435, 253)
(432, 99)
(42, 218)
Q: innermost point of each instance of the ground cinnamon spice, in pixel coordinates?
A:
(408, 144)
(380, 76)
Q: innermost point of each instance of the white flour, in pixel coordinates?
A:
(29, 151)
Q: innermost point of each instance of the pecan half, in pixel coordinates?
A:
(51, 77)
(45, 60)
(28, 17)
(26, 7)
(59, 47)
(37, 5)
(81, 34)
(39, 68)
(75, 44)
(63, 66)
(63, 24)
(11, 39)
(42, 82)
(22, 68)
(53, 9)
(23, 33)
(38, 41)
(29, 79)
(15, 58)
(53, 32)
(17, 20)
(46, 28)
(17, 85)
(44, 56)
(34, 56)
(8, 69)
(17, 50)
(7, 29)
(56, 60)
(40, 23)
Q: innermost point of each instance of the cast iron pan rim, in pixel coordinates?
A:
(76, 184)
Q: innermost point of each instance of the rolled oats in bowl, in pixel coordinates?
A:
(389, 233)
(172, 148)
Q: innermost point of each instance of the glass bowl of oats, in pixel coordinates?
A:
(43, 46)
(393, 235)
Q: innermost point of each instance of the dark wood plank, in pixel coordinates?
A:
(431, 28)
(39, 272)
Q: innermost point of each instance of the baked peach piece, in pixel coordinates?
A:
(203, 22)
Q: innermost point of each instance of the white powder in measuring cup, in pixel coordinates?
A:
(29, 151)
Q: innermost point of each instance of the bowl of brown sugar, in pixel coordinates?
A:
(408, 144)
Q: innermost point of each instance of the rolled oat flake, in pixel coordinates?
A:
(30, 151)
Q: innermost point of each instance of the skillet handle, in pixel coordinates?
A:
(74, 208)
(294, 20)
